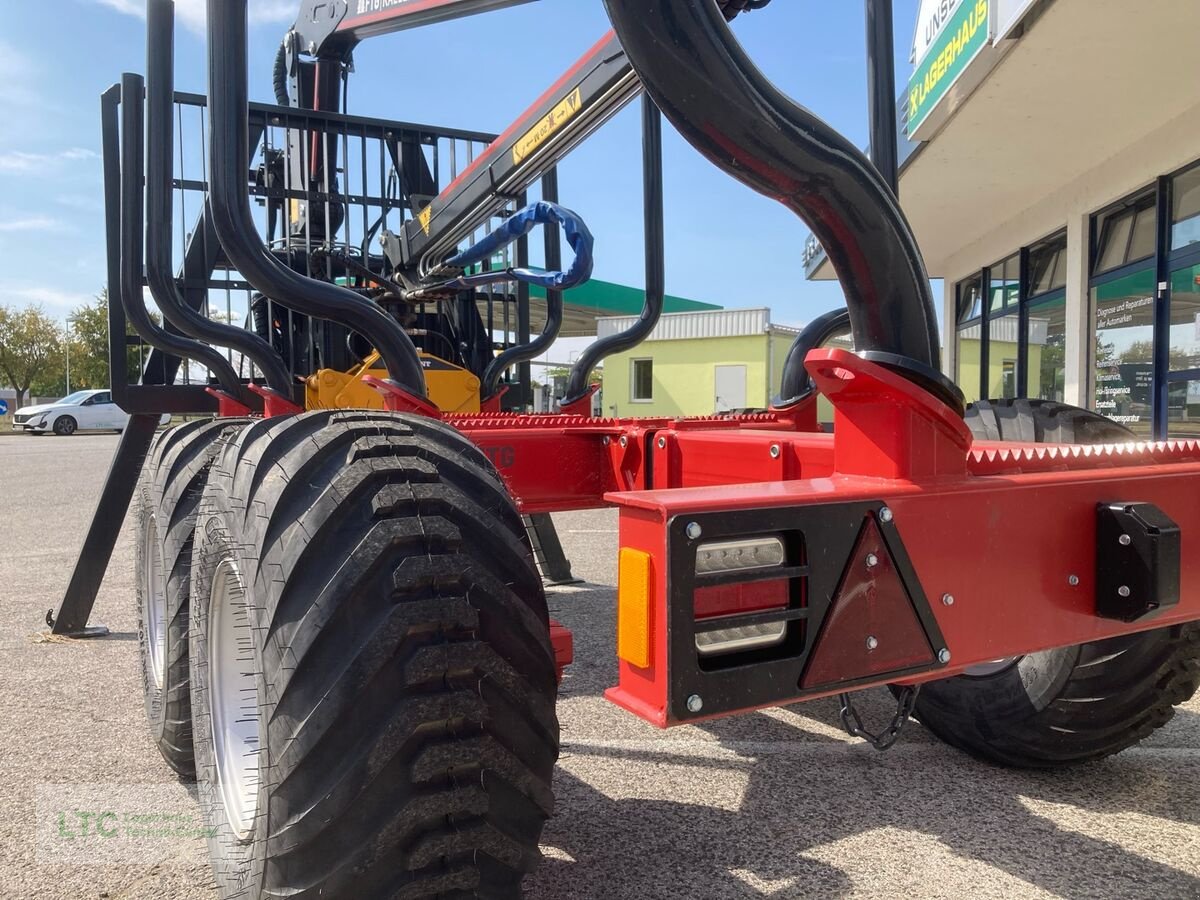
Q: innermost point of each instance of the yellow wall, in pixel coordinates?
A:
(684, 382)
(998, 353)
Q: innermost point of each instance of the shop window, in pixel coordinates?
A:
(1003, 347)
(1185, 211)
(642, 380)
(1047, 265)
(1184, 350)
(1046, 338)
(967, 337)
(1123, 235)
(1123, 355)
(1183, 409)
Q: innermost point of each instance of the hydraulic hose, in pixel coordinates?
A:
(279, 76)
(228, 135)
(710, 90)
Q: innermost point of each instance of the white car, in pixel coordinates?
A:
(80, 411)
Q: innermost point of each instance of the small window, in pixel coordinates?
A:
(1003, 284)
(1114, 238)
(1141, 241)
(1185, 212)
(1047, 265)
(970, 300)
(1124, 235)
(642, 382)
(106, 397)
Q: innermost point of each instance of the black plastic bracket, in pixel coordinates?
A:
(1137, 561)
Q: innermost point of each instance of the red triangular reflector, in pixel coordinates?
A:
(871, 627)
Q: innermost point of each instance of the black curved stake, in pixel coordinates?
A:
(709, 89)
(229, 198)
(160, 139)
(796, 384)
(652, 201)
(132, 230)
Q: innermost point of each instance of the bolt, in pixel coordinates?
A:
(947, 599)
(694, 531)
(885, 515)
(662, 442)
(624, 440)
(872, 560)
(1124, 540)
(943, 656)
(607, 440)
(1123, 591)
(695, 703)
(872, 642)
(1072, 580)
(774, 451)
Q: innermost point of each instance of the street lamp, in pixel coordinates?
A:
(70, 322)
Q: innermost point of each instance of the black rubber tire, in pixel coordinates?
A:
(398, 632)
(65, 426)
(1072, 704)
(1042, 422)
(167, 498)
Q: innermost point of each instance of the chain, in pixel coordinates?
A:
(853, 723)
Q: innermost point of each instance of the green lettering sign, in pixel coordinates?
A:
(950, 53)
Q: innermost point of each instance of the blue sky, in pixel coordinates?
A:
(724, 244)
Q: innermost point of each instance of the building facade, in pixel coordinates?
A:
(1052, 176)
(696, 363)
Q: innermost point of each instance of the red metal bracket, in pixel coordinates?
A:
(564, 647)
(492, 403)
(801, 415)
(274, 403)
(227, 405)
(886, 426)
(397, 399)
(582, 406)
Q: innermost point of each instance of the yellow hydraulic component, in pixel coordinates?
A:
(451, 388)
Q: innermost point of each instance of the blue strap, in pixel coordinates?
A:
(521, 223)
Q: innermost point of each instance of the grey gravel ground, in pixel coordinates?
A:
(774, 804)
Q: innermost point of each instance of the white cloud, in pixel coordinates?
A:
(32, 223)
(90, 202)
(35, 163)
(191, 12)
(56, 301)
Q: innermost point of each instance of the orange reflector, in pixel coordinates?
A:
(633, 607)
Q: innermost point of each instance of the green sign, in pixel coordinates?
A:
(950, 53)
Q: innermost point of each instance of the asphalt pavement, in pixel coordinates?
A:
(775, 804)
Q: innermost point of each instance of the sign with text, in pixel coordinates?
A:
(958, 40)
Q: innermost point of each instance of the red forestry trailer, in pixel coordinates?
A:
(345, 637)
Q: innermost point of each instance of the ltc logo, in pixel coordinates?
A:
(501, 457)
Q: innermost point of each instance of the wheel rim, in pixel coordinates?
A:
(156, 604)
(992, 667)
(233, 698)
(67, 426)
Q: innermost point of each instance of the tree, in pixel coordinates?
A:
(30, 347)
(1143, 352)
(89, 345)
